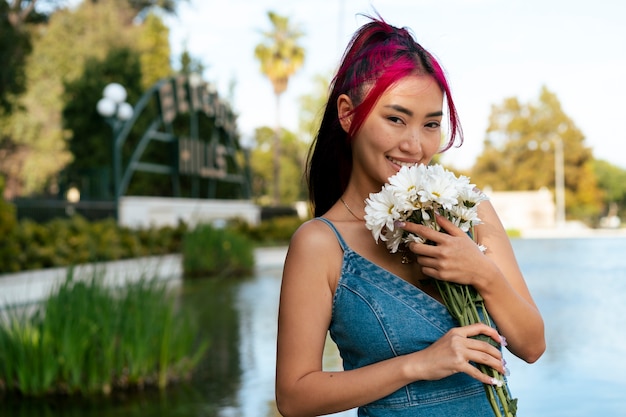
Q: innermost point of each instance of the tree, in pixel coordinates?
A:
(154, 49)
(280, 57)
(33, 145)
(612, 180)
(312, 107)
(21, 12)
(189, 64)
(16, 19)
(142, 8)
(36, 128)
(89, 139)
(509, 161)
(291, 181)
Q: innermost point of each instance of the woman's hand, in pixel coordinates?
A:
(453, 257)
(454, 351)
(495, 274)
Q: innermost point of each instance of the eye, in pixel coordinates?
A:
(395, 119)
(433, 125)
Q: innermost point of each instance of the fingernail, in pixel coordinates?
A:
(399, 224)
(506, 370)
(496, 382)
(503, 341)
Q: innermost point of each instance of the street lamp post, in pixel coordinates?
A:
(247, 144)
(559, 174)
(559, 180)
(116, 111)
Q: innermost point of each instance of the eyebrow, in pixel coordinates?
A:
(408, 112)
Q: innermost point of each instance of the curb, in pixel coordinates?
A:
(28, 287)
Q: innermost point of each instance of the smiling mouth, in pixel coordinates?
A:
(402, 164)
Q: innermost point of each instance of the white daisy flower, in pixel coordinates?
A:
(439, 187)
(381, 211)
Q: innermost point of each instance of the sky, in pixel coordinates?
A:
(490, 49)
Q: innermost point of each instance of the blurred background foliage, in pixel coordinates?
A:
(57, 59)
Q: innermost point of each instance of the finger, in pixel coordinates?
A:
(448, 226)
(420, 230)
(473, 356)
(480, 352)
(422, 249)
(484, 352)
(475, 373)
(479, 331)
(481, 328)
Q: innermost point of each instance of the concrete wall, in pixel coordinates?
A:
(139, 212)
(521, 210)
(524, 210)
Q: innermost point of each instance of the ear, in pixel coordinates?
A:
(344, 111)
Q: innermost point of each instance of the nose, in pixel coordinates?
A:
(412, 144)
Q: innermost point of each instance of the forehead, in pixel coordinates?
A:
(419, 88)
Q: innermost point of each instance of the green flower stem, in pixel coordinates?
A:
(467, 307)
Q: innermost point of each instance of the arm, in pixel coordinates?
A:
(495, 274)
(312, 268)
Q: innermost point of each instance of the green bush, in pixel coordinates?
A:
(210, 251)
(8, 228)
(8, 225)
(513, 233)
(28, 245)
(90, 338)
(275, 231)
(73, 241)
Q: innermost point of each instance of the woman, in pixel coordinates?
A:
(403, 354)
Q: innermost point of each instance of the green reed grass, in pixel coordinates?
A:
(89, 338)
(209, 251)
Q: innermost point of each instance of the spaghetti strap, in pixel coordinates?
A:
(342, 242)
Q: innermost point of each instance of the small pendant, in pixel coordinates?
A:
(408, 257)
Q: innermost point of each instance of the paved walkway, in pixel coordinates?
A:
(572, 231)
(32, 286)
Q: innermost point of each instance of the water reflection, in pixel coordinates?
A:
(213, 390)
(257, 303)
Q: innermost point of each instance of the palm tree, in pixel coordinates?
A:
(280, 57)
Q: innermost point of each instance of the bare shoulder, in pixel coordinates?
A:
(314, 249)
(493, 236)
(315, 235)
(491, 232)
(490, 220)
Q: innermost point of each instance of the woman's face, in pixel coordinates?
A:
(403, 128)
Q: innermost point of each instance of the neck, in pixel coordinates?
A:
(347, 206)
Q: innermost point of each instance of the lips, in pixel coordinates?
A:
(401, 163)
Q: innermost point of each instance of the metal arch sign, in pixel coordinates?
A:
(212, 155)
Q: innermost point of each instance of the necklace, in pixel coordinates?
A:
(408, 257)
(350, 210)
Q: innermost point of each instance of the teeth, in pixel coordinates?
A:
(404, 164)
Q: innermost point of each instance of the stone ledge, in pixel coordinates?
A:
(28, 287)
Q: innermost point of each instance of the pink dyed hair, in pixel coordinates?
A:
(383, 54)
(378, 56)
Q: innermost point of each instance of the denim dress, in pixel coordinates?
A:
(378, 315)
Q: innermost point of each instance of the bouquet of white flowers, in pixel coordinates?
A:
(416, 194)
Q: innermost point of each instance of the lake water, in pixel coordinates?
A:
(580, 288)
(579, 285)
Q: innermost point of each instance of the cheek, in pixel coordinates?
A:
(432, 145)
